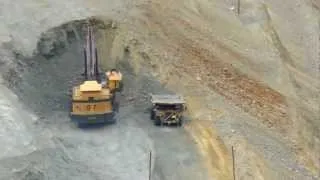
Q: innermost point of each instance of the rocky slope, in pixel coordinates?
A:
(251, 80)
(264, 61)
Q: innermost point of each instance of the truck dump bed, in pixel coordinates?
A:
(167, 99)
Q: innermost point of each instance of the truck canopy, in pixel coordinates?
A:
(167, 99)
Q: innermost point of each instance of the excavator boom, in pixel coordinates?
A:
(91, 69)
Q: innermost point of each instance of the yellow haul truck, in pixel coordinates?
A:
(94, 100)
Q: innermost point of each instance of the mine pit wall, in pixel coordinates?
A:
(179, 51)
(120, 45)
(289, 106)
(185, 56)
(129, 46)
(300, 76)
(216, 155)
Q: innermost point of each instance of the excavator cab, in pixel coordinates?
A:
(93, 101)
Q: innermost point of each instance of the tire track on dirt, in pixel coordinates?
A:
(214, 152)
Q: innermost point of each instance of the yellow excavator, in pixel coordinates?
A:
(94, 101)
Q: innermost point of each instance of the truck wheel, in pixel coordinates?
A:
(157, 121)
(180, 121)
(152, 114)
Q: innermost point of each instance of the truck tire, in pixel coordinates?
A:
(180, 122)
(157, 121)
(152, 114)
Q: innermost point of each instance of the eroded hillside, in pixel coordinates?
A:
(264, 61)
(251, 81)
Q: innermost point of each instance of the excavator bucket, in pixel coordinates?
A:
(114, 80)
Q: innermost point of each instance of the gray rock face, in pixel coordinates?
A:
(15, 138)
(273, 42)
